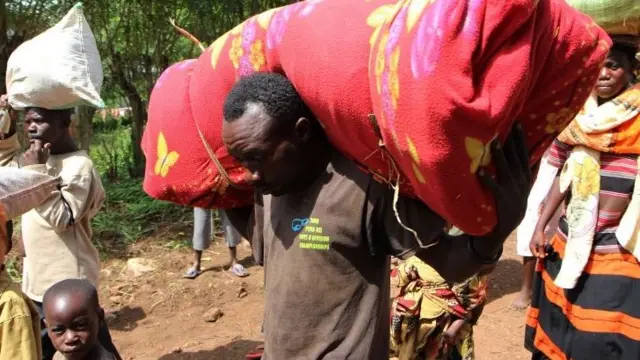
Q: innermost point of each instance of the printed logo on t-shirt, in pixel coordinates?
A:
(311, 234)
(298, 224)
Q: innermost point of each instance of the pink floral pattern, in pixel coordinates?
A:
(428, 40)
(470, 27)
(278, 26)
(247, 53)
(309, 6)
(390, 82)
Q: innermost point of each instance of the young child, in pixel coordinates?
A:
(73, 317)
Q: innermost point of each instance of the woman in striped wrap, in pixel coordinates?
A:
(586, 293)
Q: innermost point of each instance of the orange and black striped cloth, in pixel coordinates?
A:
(600, 317)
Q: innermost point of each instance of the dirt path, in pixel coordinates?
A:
(159, 315)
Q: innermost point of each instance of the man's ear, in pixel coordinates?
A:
(100, 314)
(46, 324)
(303, 129)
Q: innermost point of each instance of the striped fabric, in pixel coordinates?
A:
(600, 317)
(618, 174)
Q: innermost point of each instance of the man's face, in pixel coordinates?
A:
(72, 325)
(614, 75)
(268, 151)
(44, 125)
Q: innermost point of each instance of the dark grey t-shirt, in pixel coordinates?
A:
(325, 253)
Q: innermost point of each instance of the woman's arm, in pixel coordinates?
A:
(549, 209)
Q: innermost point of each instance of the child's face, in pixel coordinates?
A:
(72, 325)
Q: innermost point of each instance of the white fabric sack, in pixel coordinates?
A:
(22, 190)
(58, 69)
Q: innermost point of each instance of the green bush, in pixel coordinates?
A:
(128, 213)
(111, 148)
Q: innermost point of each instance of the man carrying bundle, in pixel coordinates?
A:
(324, 229)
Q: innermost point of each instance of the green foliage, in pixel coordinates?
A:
(129, 214)
(111, 149)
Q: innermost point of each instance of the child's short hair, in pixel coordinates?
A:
(81, 287)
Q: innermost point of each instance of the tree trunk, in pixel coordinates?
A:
(138, 119)
(84, 126)
(138, 114)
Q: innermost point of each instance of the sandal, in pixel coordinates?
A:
(192, 273)
(239, 270)
(255, 354)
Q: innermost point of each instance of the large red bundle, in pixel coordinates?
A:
(448, 78)
(481, 65)
(179, 168)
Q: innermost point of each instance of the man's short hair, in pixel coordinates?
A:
(272, 91)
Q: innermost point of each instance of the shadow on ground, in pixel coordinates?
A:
(126, 318)
(505, 279)
(232, 351)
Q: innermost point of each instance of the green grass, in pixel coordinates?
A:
(129, 214)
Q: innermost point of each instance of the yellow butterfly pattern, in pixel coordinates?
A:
(377, 19)
(479, 153)
(415, 161)
(166, 159)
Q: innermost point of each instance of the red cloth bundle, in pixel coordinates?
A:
(303, 41)
(449, 77)
(451, 74)
(179, 168)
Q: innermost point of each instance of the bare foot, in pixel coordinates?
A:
(522, 301)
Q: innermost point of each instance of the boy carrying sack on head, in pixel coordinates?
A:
(57, 234)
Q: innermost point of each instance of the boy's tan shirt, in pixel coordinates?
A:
(57, 234)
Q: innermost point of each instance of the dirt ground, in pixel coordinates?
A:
(159, 315)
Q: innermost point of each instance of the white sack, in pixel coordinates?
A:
(57, 69)
(22, 190)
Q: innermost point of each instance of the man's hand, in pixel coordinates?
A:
(510, 189)
(37, 153)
